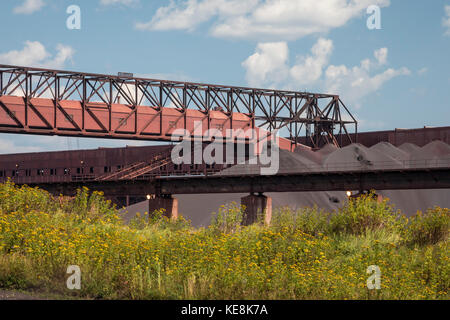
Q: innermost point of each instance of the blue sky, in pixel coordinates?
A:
(394, 77)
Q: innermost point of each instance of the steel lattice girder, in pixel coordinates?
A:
(42, 101)
(396, 179)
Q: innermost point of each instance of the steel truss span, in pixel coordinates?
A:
(55, 102)
(395, 179)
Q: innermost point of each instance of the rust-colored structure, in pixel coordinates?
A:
(127, 175)
(66, 103)
(397, 137)
(116, 163)
(101, 164)
(75, 165)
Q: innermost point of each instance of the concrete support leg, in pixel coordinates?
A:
(166, 202)
(256, 205)
(380, 198)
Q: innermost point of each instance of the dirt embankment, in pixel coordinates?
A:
(15, 295)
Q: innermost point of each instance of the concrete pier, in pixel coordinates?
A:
(256, 205)
(166, 202)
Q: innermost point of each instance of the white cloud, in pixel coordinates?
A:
(269, 66)
(259, 19)
(357, 82)
(191, 13)
(310, 68)
(446, 20)
(115, 2)
(29, 7)
(8, 147)
(34, 54)
(381, 56)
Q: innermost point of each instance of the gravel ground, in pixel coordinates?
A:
(15, 295)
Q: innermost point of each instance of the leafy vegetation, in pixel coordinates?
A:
(306, 254)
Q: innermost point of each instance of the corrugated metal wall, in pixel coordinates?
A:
(397, 137)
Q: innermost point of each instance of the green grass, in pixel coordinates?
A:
(306, 254)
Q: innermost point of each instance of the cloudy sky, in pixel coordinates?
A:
(394, 77)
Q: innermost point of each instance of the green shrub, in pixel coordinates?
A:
(365, 213)
(299, 257)
(14, 198)
(308, 220)
(158, 220)
(429, 228)
(16, 272)
(228, 219)
(139, 221)
(91, 205)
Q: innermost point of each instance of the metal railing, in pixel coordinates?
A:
(204, 171)
(379, 165)
(48, 179)
(362, 166)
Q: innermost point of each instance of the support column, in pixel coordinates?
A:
(256, 205)
(166, 202)
(379, 198)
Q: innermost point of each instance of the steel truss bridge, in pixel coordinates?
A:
(359, 180)
(66, 103)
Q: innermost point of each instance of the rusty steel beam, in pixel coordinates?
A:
(396, 179)
(55, 102)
